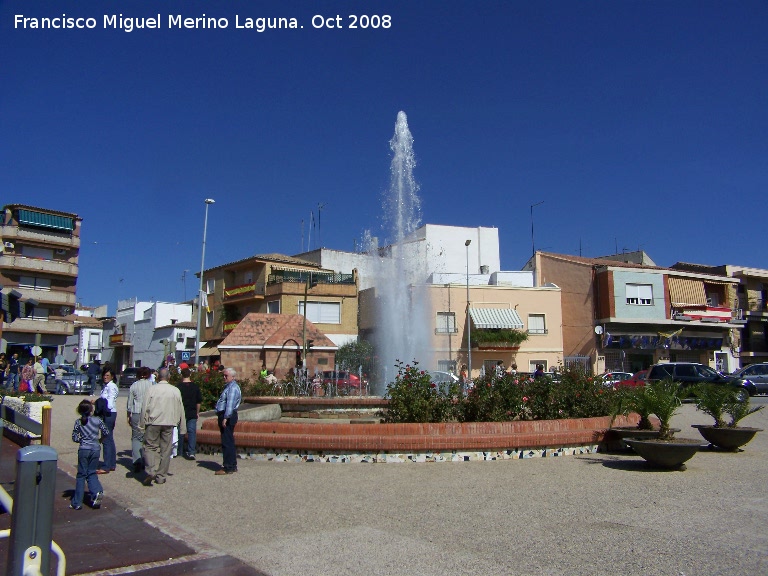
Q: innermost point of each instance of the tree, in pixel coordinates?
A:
(355, 354)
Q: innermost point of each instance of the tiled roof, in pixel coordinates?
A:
(258, 329)
(279, 258)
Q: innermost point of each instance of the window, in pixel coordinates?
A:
(489, 366)
(537, 324)
(94, 341)
(273, 307)
(641, 294)
(322, 312)
(35, 252)
(33, 283)
(209, 319)
(190, 343)
(446, 322)
(210, 285)
(39, 313)
(248, 278)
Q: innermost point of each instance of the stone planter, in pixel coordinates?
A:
(665, 454)
(498, 346)
(32, 410)
(727, 438)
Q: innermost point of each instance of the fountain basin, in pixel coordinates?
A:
(443, 442)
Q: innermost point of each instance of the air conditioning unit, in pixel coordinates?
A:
(9, 245)
(60, 251)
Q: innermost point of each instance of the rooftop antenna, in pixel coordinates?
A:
(320, 206)
(302, 234)
(184, 282)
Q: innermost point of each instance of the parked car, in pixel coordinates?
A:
(72, 381)
(613, 378)
(638, 379)
(443, 380)
(127, 377)
(344, 381)
(691, 373)
(757, 375)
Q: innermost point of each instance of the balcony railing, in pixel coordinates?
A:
(12, 233)
(301, 277)
(243, 291)
(48, 296)
(752, 304)
(38, 265)
(41, 326)
(118, 339)
(231, 325)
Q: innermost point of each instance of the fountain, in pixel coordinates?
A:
(401, 317)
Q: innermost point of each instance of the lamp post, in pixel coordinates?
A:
(304, 325)
(469, 333)
(208, 202)
(533, 245)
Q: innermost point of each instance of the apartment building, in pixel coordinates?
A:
(277, 284)
(626, 316)
(38, 274)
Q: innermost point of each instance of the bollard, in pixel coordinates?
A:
(32, 517)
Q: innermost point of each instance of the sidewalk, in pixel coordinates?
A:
(593, 515)
(112, 540)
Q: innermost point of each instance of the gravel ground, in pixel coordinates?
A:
(603, 514)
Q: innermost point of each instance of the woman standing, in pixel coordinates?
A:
(109, 393)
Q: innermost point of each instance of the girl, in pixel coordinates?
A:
(86, 432)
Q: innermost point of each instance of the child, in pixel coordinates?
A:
(86, 432)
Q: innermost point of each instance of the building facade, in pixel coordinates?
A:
(38, 274)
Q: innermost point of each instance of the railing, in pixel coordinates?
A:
(298, 277)
(48, 296)
(244, 291)
(752, 304)
(119, 339)
(12, 233)
(38, 265)
(42, 326)
(229, 326)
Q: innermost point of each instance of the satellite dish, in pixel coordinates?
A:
(598, 330)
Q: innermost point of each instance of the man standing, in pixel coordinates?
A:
(226, 411)
(94, 371)
(136, 394)
(13, 372)
(39, 383)
(161, 410)
(192, 398)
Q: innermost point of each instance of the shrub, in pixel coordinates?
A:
(413, 397)
(212, 384)
(493, 399)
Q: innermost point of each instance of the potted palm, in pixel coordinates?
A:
(717, 401)
(662, 398)
(636, 400)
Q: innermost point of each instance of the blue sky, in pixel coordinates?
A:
(637, 124)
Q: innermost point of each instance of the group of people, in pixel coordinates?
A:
(155, 412)
(28, 377)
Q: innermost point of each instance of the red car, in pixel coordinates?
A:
(639, 379)
(345, 382)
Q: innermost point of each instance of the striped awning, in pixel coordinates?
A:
(32, 218)
(206, 351)
(684, 291)
(495, 318)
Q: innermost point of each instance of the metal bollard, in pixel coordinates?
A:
(32, 516)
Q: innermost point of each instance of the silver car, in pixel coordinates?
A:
(72, 381)
(757, 374)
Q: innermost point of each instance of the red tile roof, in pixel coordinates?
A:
(270, 330)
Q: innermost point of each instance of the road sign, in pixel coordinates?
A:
(75, 349)
(185, 356)
(36, 350)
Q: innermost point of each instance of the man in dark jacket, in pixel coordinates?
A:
(191, 397)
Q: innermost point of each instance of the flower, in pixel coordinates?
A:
(525, 398)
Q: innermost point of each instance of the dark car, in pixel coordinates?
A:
(71, 380)
(757, 375)
(127, 377)
(691, 373)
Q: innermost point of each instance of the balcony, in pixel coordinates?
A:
(120, 340)
(38, 265)
(321, 283)
(14, 234)
(243, 292)
(752, 306)
(48, 296)
(703, 313)
(61, 327)
(230, 325)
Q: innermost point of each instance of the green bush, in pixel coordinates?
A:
(413, 397)
(212, 384)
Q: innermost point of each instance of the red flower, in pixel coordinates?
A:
(525, 398)
(433, 385)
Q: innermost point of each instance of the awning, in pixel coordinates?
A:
(686, 291)
(208, 351)
(495, 318)
(53, 221)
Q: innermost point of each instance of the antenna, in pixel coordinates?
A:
(184, 282)
(320, 206)
(302, 234)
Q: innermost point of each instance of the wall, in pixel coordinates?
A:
(656, 311)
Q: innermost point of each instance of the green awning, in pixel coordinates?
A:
(31, 218)
(496, 318)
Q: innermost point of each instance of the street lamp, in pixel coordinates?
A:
(469, 333)
(208, 202)
(533, 245)
(307, 285)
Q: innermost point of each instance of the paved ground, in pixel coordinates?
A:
(593, 515)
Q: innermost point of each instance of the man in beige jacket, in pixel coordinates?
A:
(161, 410)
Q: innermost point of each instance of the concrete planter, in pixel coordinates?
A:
(32, 410)
(665, 454)
(727, 438)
